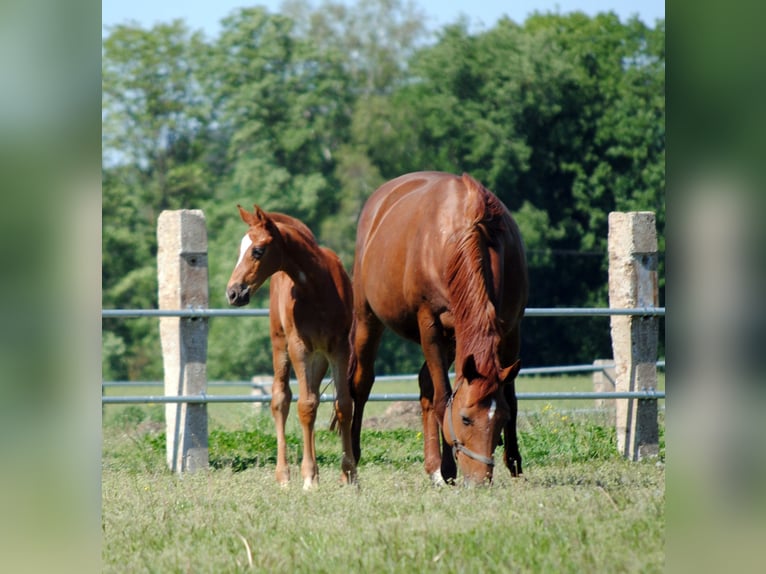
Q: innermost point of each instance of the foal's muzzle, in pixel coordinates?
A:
(238, 295)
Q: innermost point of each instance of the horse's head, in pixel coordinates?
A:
(259, 256)
(475, 417)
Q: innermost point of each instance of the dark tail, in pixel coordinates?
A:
(352, 361)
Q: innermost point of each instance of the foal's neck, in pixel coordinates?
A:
(302, 258)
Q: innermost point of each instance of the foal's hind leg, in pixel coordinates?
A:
(280, 401)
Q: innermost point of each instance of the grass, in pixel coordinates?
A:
(579, 508)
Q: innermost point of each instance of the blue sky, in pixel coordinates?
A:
(206, 15)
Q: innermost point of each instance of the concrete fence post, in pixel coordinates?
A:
(604, 382)
(633, 257)
(183, 283)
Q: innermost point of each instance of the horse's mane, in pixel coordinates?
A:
(472, 300)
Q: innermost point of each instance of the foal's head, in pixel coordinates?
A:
(260, 255)
(475, 418)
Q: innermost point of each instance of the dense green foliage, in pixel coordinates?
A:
(307, 112)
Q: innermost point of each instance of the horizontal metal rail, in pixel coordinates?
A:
(531, 312)
(384, 378)
(196, 313)
(325, 398)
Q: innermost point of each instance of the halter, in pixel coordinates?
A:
(458, 446)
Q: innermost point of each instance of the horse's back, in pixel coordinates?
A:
(408, 229)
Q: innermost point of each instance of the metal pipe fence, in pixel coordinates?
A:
(195, 313)
(379, 397)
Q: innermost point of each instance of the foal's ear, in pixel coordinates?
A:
(246, 216)
(470, 371)
(510, 373)
(260, 215)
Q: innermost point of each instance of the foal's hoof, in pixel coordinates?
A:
(283, 478)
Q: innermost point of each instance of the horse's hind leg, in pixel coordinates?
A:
(280, 401)
(367, 333)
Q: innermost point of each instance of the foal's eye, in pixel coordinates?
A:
(258, 252)
(466, 420)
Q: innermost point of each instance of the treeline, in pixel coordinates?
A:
(309, 110)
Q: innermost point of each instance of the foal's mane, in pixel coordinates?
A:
(296, 225)
(472, 299)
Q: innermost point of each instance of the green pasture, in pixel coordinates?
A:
(579, 507)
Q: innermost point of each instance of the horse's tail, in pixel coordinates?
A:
(352, 361)
(352, 358)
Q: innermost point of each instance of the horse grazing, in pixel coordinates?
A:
(310, 315)
(440, 261)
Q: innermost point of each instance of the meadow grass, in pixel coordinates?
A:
(580, 507)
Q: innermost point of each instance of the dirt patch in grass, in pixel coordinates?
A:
(401, 414)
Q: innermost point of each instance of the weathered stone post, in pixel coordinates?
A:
(633, 283)
(604, 382)
(183, 283)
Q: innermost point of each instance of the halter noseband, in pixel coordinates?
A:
(458, 446)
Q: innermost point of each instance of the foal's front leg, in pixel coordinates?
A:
(281, 395)
(309, 368)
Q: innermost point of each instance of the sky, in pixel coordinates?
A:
(206, 15)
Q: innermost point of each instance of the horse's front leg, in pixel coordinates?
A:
(280, 401)
(434, 393)
(509, 352)
(511, 453)
(309, 368)
(431, 429)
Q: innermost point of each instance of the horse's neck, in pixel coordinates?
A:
(301, 258)
(476, 321)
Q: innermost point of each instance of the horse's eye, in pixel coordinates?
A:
(258, 252)
(466, 420)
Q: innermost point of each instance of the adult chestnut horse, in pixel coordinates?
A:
(310, 315)
(440, 261)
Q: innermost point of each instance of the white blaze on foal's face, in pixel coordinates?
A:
(492, 408)
(243, 247)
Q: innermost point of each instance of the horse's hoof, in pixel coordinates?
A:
(436, 479)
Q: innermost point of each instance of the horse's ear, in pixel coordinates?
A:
(470, 371)
(510, 373)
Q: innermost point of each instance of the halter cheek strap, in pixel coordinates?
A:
(458, 446)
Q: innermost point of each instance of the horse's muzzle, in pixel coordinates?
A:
(238, 295)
